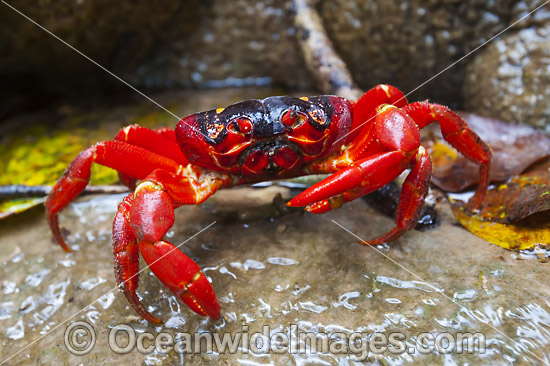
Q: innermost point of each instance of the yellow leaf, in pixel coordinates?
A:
(528, 233)
(15, 206)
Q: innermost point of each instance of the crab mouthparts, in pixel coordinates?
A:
(270, 159)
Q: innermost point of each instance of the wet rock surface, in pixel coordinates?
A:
(300, 270)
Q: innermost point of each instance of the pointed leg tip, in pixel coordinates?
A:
(147, 316)
(473, 206)
(391, 236)
(62, 243)
(59, 238)
(152, 319)
(65, 248)
(56, 231)
(139, 308)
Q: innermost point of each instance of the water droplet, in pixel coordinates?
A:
(417, 285)
(393, 300)
(282, 261)
(311, 306)
(17, 331)
(91, 283)
(35, 279)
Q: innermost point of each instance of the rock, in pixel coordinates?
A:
(510, 79)
(218, 43)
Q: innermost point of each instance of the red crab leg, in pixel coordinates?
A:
(126, 258)
(414, 191)
(161, 141)
(460, 136)
(365, 108)
(168, 133)
(182, 276)
(152, 214)
(330, 204)
(392, 129)
(131, 160)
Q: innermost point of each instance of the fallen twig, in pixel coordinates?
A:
(16, 191)
(323, 62)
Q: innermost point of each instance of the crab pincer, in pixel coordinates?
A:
(182, 276)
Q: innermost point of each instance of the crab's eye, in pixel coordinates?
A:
(292, 118)
(318, 117)
(241, 125)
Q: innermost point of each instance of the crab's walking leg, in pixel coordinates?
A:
(131, 160)
(460, 136)
(414, 191)
(126, 258)
(152, 214)
(161, 141)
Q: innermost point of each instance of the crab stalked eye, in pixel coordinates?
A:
(292, 118)
(318, 116)
(241, 125)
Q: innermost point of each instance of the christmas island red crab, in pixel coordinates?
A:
(364, 145)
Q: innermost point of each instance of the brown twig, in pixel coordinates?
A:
(16, 191)
(323, 62)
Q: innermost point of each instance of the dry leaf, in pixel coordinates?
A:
(529, 233)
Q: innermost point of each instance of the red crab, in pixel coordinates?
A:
(364, 144)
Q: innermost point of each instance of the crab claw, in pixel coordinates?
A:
(182, 276)
(373, 172)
